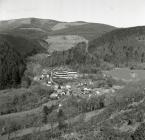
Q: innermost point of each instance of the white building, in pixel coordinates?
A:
(65, 74)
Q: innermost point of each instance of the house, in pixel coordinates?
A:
(49, 83)
(54, 96)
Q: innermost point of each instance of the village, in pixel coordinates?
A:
(67, 82)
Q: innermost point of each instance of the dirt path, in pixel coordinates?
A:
(29, 112)
(46, 127)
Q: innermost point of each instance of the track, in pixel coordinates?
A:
(33, 130)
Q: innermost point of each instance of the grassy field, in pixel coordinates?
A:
(126, 74)
(63, 42)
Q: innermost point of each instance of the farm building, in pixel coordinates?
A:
(65, 74)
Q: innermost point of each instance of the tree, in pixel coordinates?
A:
(44, 114)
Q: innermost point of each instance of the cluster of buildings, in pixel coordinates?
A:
(48, 75)
(79, 87)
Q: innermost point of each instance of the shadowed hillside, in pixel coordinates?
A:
(13, 53)
(12, 66)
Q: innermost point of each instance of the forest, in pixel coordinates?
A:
(13, 53)
(120, 46)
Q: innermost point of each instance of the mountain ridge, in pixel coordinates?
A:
(47, 25)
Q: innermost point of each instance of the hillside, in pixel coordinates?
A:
(120, 46)
(14, 51)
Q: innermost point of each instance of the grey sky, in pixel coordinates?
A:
(121, 13)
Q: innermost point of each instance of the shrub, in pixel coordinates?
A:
(139, 134)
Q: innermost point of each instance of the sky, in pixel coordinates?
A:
(119, 13)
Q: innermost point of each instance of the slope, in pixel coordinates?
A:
(120, 46)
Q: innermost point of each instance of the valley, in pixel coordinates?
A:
(71, 80)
